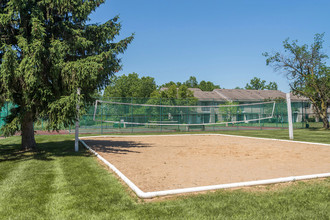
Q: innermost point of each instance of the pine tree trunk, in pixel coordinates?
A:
(28, 141)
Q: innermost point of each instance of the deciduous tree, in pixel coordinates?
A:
(258, 84)
(192, 82)
(174, 92)
(305, 68)
(130, 86)
(207, 86)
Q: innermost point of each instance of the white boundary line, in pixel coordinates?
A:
(229, 135)
(148, 195)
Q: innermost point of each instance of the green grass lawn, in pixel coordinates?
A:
(58, 183)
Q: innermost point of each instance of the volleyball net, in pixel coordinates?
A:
(124, 115)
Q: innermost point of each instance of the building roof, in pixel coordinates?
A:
(211, 95)
(241, 95)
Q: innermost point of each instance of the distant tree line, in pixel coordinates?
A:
(193, 83)
(132, 85)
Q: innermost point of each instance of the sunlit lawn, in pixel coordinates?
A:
(58, 183)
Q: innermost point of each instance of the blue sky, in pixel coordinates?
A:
(214, 40)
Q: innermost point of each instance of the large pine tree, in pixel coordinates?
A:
(47, 51)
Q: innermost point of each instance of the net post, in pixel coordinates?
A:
(95, 108)
(283, 104)
(132, 106)
(160, 113)
(302, 114)
(76, 142)
(214, 114)
(260, 117)
(276, 113)
(288, 102)
(101, 119)
(263, 114)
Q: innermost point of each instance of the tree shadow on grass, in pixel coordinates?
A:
(115, 147)
(12, 152)
(46, 151)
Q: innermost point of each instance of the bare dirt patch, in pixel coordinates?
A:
(155, 163)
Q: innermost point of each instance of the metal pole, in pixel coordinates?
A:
(101, 119)
(161, 114)
(288, 102)
(132, 120)
(260, 117)
(76, 142)
(302, 114)
(276, 116)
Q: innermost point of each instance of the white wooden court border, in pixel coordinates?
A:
(147, 195)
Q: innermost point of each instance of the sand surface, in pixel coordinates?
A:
(156, 163)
